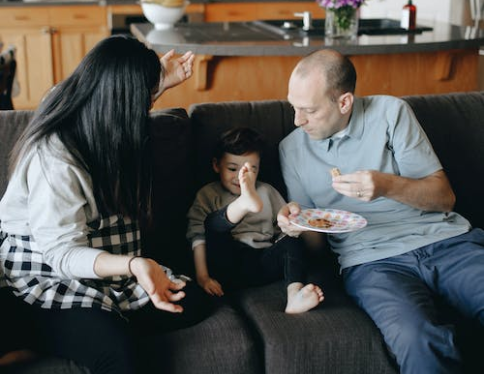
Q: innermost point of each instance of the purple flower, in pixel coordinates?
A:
(335, 4)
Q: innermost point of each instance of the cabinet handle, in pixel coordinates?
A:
(21, 18)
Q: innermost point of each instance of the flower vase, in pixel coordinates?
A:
(341, 22)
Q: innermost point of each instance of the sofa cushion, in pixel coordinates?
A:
(12, 124)
(170, 154)
(454, 124)
(171, 158)
(337, 334)
(335, 337)
(221, 344)
(46, 365)
(272, 118)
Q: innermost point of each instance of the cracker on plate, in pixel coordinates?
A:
(321, 223)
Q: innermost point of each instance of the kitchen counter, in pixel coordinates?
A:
(43, 3)
(256, 58)
(122, 2)
(258, 39)
(253, 60)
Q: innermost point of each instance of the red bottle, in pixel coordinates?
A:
(408, 20)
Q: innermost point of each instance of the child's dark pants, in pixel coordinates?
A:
(235, 264)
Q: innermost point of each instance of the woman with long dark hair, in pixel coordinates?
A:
(78, 186)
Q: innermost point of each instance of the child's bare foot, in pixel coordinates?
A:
(249, 197)
(303, 299)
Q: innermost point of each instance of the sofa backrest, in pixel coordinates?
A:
(171, 155)
(173, 164)
(181, 155)
(453, 123)
(272, 118)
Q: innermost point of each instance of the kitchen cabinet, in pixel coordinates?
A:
(237, 12)
(50, 42)
(28, 31)
(75, 31)
(234, 11)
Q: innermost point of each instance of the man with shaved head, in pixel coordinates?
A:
(414, 247)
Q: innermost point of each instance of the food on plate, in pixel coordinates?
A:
(321, 223)
(335, 172)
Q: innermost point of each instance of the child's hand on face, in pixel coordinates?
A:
(211, 286)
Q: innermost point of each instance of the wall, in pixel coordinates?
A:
(453, 11)
(428, 11)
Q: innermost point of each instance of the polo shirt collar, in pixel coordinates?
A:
(355, 129)
(356, 124)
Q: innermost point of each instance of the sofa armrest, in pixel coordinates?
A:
(12, 124)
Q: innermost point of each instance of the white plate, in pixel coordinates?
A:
(341, 220)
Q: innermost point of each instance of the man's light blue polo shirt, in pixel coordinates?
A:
(384, 135)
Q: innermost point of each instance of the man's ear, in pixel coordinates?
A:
(215, 165)
(345, 102)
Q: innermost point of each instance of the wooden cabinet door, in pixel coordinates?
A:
(239, 12)
(286, 10)
(34, 63)
(226, 12)
(75, 30)
(71, 44)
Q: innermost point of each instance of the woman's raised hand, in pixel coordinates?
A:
(177, 70)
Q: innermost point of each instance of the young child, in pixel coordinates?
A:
(233, 230)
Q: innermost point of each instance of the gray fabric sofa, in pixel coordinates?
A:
(248, 332)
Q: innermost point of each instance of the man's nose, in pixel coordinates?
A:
(299, 118)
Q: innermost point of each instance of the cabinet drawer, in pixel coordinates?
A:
(231, 12)
(287, 10)
(78, 16)
(23, 17)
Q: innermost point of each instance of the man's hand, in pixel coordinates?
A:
(286, 213)
(154, 281)
(430, 193)
(363, 185)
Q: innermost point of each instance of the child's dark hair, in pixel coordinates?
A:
(239, 141)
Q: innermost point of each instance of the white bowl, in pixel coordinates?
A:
(161, 16)
(171, 36)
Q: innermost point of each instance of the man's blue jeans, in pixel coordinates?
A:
(398, 293)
